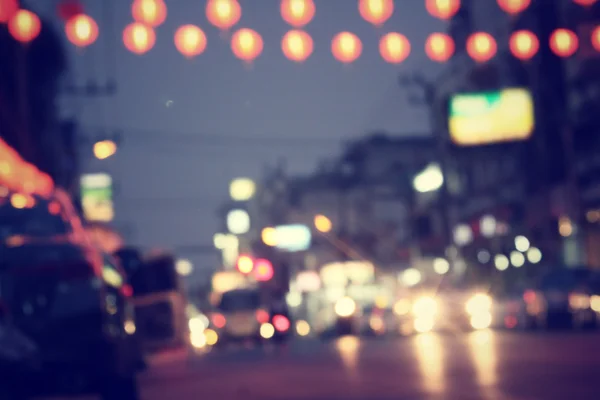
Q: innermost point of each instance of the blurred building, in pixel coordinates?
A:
(529, 184)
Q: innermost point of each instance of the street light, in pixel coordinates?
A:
(104, 149)
(322, 223)
(429, 180)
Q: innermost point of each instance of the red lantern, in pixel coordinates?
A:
(223, 13)
(442, 9)
(297, 45)
(8, 8)
(246, 44)
(68, 9)
(564, 42)
(81, 30)
(585, 3)
(139, 38)
(297, 12)
(524, 44)
(263, 270)
(190, 40)
(149, 12)
(514, 7)
(439, 47)
(394, 48)
(376, 11)
(24, 26)
(596, 38)
(481, 46)
(346, 47)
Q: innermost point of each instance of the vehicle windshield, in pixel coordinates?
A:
(239, 301)
(34, 222)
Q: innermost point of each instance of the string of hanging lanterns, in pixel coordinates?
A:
(139, 37)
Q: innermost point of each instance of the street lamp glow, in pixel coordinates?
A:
(269, 236)
(238, 222)
(441, 266)
(522, 244)
(517, 259)
(184, 267)
(429, 180)
(242, 189)
(104, 149)
(323, 224)
(501, 262)
(534, 255)
(411, 277)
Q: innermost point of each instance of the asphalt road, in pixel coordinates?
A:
(480, 365)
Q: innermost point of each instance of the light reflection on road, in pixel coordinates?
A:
(483, 353)
(430, 355)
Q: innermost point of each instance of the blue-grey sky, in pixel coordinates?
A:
(165, 154)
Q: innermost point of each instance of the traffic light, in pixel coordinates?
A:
(245, 264)
(263, 270)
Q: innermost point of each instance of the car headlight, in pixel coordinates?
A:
(425, 306)
(479, 303)
(345, 307)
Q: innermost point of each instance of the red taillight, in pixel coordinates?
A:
(529, 296)
(127, 291)
(281, 323)
(262, 316)
(218, 320)
(510, 321)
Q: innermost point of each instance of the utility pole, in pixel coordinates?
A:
(426, 97)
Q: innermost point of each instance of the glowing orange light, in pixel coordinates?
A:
(346, 47)
(139, 38)
(394, 48)
(564, 42)
(297, 12)
(190, 40)
(8, 9)
(514, 7)
(439, 47)
(18, 200)
(585, 3)
(104, 149)
(442, 9)
(263, 270)
(481, 46)
(524, 44)
(596, 38)
(223, 13)
(246, 44)
(81, 30)
(54, 208)
(376, 11)
(24, 26)
(297, 45)
(245, 264)
(149, 12)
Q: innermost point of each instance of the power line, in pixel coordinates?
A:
(211, 139)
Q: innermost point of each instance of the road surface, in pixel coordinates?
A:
(479, 365)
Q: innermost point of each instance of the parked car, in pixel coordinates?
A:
(68, 299)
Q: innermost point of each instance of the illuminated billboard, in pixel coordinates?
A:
(97, 197)
(292, 237)
(484, 118)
